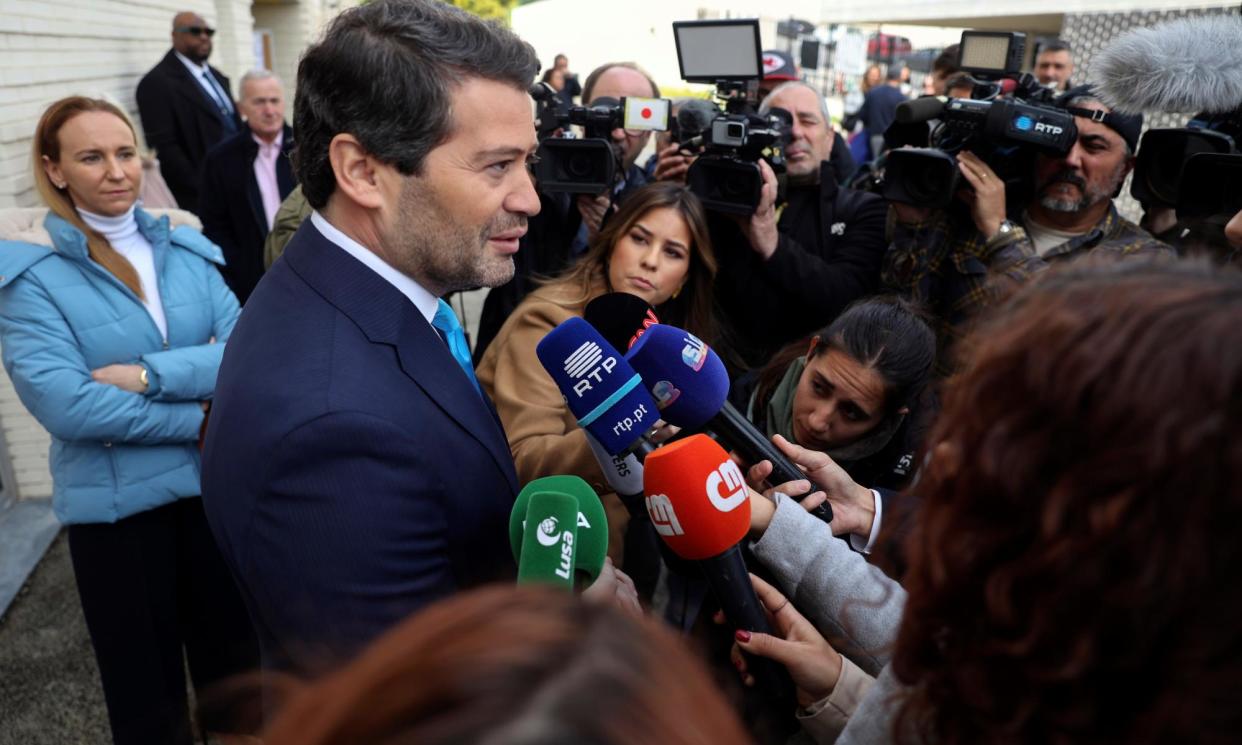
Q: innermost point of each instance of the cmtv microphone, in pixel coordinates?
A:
(589, 520)
(691, 388)
(549, 543)
(599, 386)
(620, 318)
(700, 506)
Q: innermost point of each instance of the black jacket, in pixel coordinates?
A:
(231, 206)
(801, 288)
(181, 124)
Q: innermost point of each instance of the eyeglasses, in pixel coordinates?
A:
(196, 30)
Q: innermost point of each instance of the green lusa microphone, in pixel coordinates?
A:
(550, 542)
(592, 522)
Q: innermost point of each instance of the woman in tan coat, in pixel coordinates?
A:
(656, 247)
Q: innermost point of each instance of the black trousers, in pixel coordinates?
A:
(153, 584)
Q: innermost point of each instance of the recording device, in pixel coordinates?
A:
(598, 384)
(694, 119)
(700, 506)
(590, 164)
(728, 53)
(1165, 153)
(571, 505)
(690, 385)
(548, 547)
(1010, 119)
(620, 317)
(1189, 65)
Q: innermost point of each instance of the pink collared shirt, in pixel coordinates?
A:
(265, 175)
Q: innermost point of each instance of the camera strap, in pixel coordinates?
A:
(1103, 117)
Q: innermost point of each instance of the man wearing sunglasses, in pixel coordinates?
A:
(186, 107)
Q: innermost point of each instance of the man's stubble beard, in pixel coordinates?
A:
(441, 253)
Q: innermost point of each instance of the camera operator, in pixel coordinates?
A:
(566, 223)
(791, 270)
(948, 261)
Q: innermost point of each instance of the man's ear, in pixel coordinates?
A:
(356, 171)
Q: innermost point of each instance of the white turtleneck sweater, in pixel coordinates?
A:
(122, 233)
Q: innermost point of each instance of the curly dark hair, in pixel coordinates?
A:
(1075, 571)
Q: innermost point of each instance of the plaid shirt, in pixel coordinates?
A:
(948, 267)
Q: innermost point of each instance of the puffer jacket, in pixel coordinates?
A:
(114, 453)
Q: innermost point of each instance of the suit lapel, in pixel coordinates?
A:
(253, 196)
(189, 88)
(388, 317)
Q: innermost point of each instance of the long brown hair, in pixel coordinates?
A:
(1074, 571)
(47, 144)
(517, 666)
(694, 307)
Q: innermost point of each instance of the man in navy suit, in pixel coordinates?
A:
(186, 107)
(353, 470)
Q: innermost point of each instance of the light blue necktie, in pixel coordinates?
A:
(446, 323)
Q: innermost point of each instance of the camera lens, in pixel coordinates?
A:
(736, 131)
(580, 166)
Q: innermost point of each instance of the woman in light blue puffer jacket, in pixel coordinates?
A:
(112, 336)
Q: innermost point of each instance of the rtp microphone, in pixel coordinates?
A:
(549, 543)
(599, 386)
(691, 386)
(700, 506)
(620, 318)
(590, 521)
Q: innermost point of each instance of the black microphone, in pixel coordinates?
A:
(620, 318)
(700, 506)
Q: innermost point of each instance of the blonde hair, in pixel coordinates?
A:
(47, 145)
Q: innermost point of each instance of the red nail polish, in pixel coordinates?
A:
(742, 635)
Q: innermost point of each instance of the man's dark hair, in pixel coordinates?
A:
(588, 87)
(894, 71)
(1056, 45)
(385, 72)
(946, 62)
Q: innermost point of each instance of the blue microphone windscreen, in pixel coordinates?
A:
(603, 391)
(686, 378)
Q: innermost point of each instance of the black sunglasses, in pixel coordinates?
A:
(197, 30)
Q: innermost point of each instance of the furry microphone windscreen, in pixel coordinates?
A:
(1186, 66)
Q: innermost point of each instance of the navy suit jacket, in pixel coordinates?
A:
(352, 473)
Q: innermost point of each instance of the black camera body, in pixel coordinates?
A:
(590, 164)
(726, 176)
(1165, 154)
(1012, 122)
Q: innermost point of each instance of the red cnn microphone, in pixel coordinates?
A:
(699, 504)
